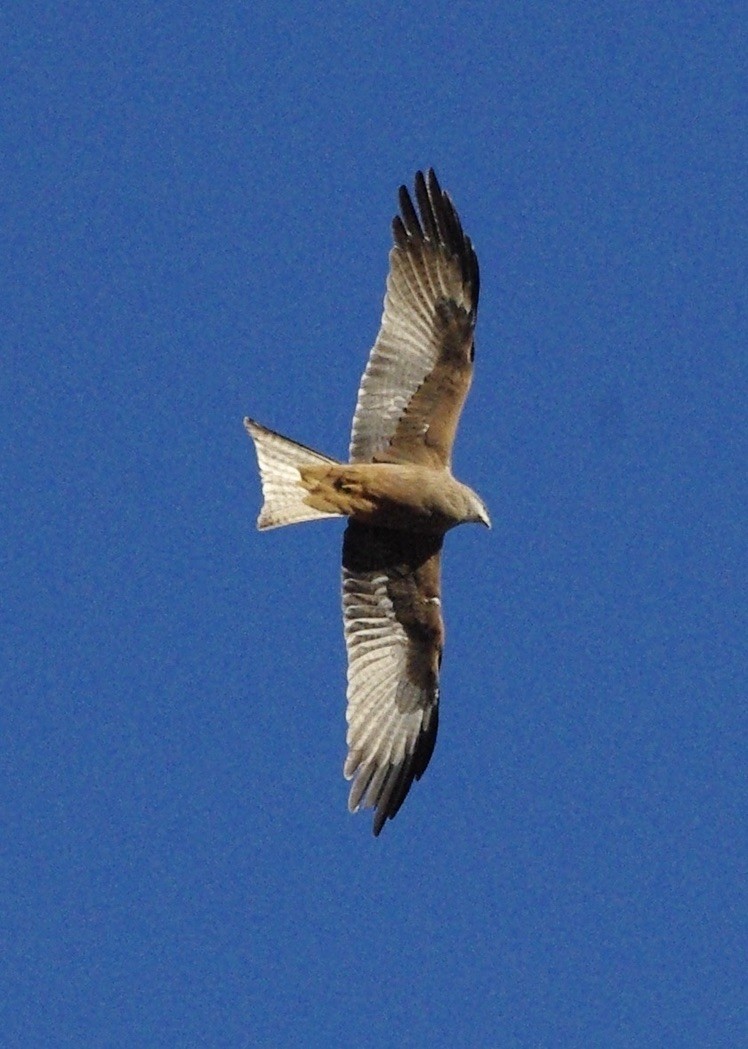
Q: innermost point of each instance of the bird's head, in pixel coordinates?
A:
(477, 511)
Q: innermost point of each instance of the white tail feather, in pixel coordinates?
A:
(279, 460)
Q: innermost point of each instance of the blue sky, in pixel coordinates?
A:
(196, 206)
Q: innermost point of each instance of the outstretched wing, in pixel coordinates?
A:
(394, 635)
(419, 370)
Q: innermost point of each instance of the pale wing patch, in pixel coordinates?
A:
(392, 712)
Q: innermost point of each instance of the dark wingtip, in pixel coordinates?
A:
(433, 182)
(438, 222)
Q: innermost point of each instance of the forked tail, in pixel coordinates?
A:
(279, 460)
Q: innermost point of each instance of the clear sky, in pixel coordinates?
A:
(196, 206)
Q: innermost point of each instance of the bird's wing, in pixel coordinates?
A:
(394, 635)
(419, 370)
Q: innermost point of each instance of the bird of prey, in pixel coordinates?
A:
(398, 494)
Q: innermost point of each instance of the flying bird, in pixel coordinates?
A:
(398, 494)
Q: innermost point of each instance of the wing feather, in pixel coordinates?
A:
(419, 370)
(394, 635)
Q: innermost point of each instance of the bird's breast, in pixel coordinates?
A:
(391, 495)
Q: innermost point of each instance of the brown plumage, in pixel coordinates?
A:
(399, 495)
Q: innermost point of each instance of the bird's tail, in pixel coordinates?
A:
(280, 461)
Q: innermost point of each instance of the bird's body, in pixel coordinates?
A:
(394, 495)
(391, 495)
(399, 495)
